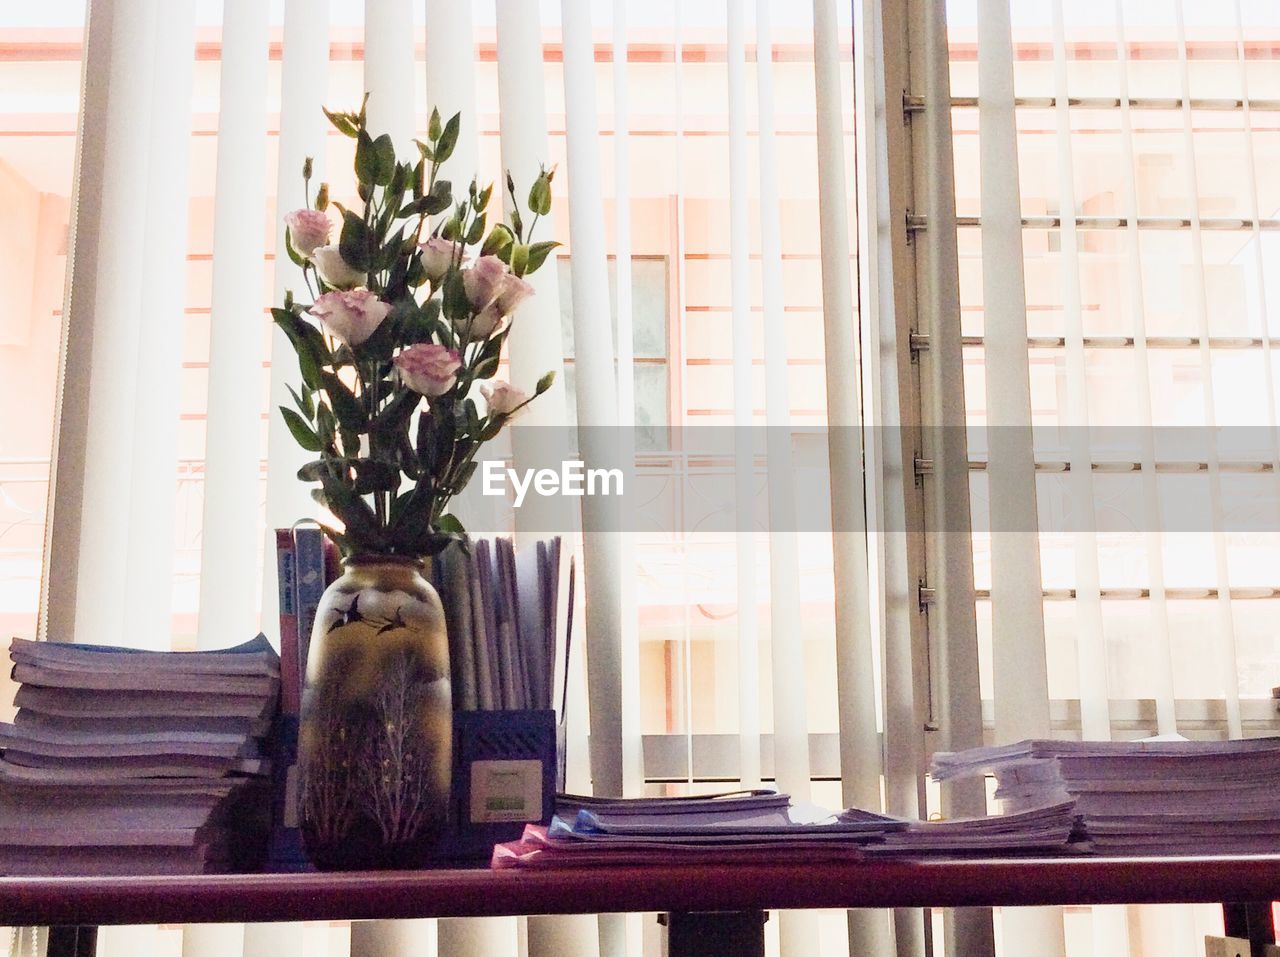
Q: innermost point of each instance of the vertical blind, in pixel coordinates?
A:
(1083, 139)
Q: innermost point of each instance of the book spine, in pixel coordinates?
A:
(310, 579)
(290, 657)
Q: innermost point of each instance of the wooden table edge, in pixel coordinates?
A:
(676, 887)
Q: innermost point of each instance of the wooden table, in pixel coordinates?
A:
(704, 902)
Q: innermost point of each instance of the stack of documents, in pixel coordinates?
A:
(1142, 797)
(1048, 828)
(757, 826)
(509, 615)
(122, 761)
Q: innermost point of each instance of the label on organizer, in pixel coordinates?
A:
(506, 791)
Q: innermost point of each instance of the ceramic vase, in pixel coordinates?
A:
(376, 734)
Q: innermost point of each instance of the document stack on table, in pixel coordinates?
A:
(1047, 828)
(740, 827)
(759, 826)
(1142, 797)
(122, 761)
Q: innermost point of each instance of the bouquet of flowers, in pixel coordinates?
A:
(409, 312)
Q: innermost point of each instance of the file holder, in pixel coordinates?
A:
(507, 767)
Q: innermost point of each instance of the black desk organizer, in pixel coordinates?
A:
(483, 737)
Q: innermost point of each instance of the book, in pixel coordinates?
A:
(290, 653)
(252, 657)
(309, 586)
(485, 666)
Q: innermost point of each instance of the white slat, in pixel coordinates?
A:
(389, 38)
(1020, 678)
(534, 347)
(611, 659)
(783, 628)
(860, 749)
(229, 582)
(83, 594)
(1225, 631)
(632, 762)
(1091, 653)
(1020, 682)
(597, 401)
(1153, 539)
(304, 83)
(154, 487)
(860, 760)
(1110, 924)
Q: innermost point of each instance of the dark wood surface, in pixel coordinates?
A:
(478, 892)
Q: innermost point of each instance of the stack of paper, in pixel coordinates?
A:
(1048, 828)
(1142, 797)
(745, 826)
(124, 761)
(508, 615)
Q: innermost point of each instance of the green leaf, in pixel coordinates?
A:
(307, 342)
(439, 199)
(345, 405)
(481, 201)
(456, 305)
(384, 160)
(464, 476)
(343, 123)
(476, 232)
(519, 258)
(375, 476)
(356, 242)
(366, 160)
(487, 362)
(301, 432)
(394, 416)
(312, 471)
(448, 138)
(294, 256)
(433, 125)
(415, 276)
(499, 238)
(449, 524)
(326, 427)
(538, 253)
(362, 526)
(304, 402)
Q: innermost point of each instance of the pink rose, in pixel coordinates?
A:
(504, 399)
(350, 317)
(437, 254)
(428, 368)
(308, 228)
(484, 281)
(513, 292)
(335, 270)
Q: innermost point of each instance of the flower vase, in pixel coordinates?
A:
(376, 735)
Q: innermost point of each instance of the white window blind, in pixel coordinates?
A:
(1091, 245)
